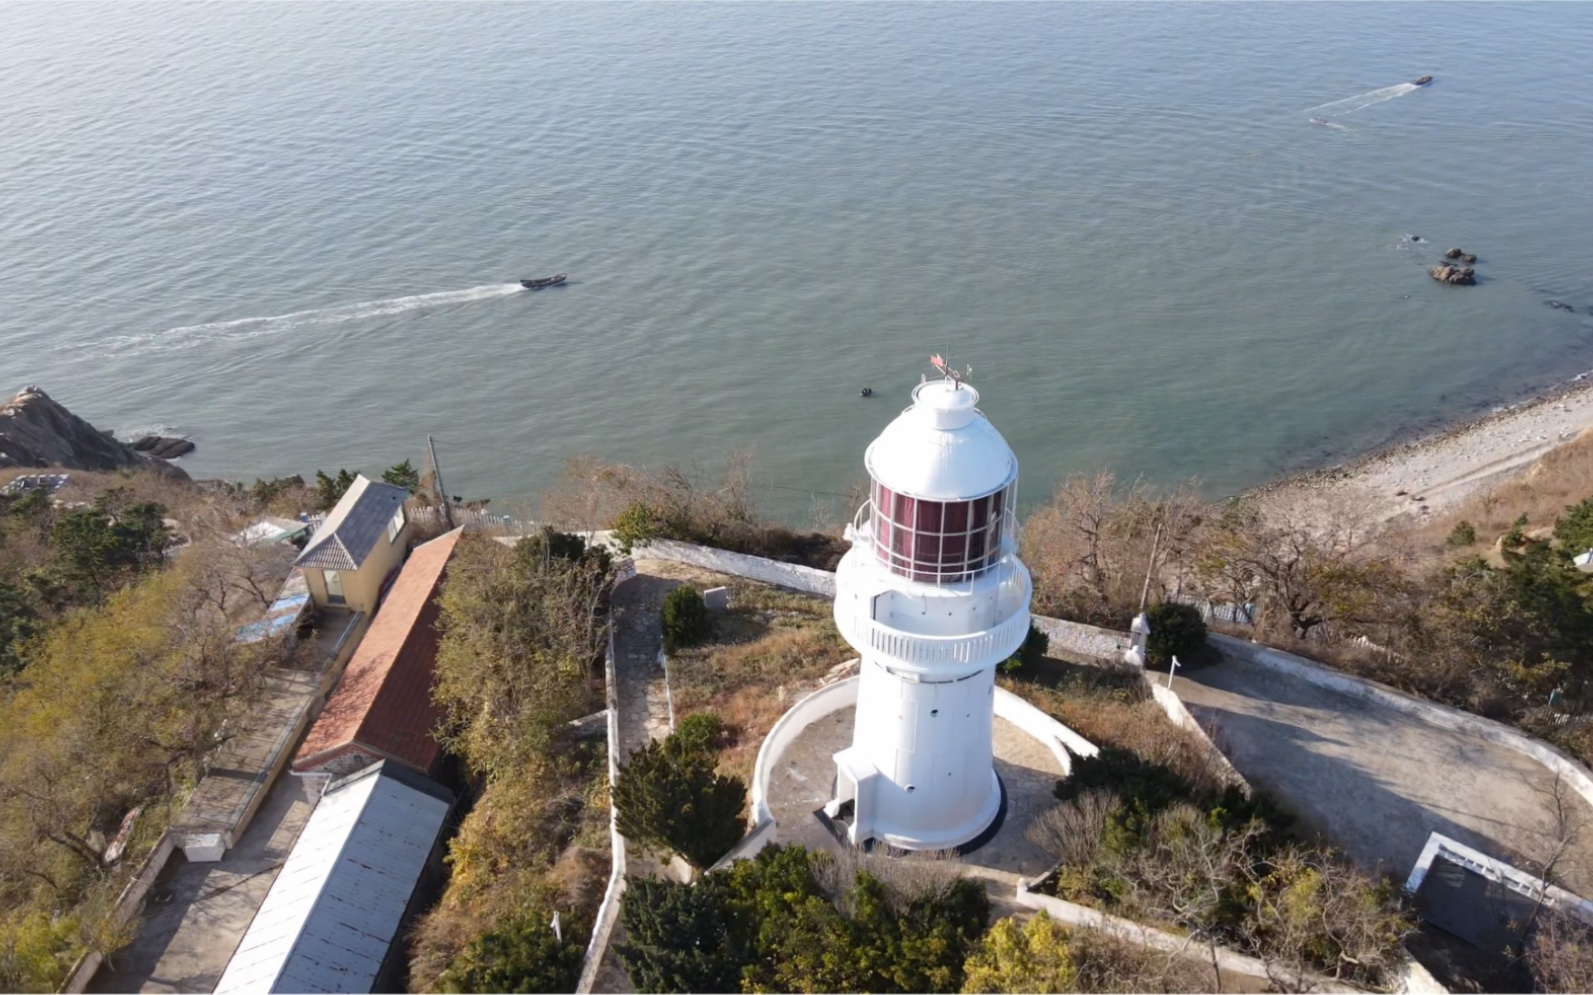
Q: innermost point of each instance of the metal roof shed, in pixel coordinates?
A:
(335, 910)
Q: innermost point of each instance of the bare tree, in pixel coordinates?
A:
(1095, 544)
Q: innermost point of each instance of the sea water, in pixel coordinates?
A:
(294, 231)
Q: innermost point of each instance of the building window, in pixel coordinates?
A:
(939, 541)
(396, 525)
(334, 587)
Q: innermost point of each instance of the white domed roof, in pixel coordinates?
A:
(941, 447)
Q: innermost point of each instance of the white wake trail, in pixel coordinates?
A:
(1349, 105)
(189, 336)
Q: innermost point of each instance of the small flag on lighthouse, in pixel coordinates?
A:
(937, 362)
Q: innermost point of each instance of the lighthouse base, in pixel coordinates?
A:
(857, 780)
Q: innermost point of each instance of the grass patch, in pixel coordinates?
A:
(767, 651)
(1111, 707)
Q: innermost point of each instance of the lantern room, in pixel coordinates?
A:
(942, 488)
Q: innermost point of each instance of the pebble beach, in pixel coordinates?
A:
(1438, 472)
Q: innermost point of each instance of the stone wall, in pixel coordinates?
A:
(789, 575)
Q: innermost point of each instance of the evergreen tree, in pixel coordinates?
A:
(93, 550)
(681, 938)
(402, 475)
(669, 796)
(18, 620)
(329, 490)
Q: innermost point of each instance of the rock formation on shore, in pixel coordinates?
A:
(1463, 276)
(35, 431)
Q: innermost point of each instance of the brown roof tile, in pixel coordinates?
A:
(383, 702)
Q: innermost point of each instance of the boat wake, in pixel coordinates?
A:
(1349, 105)
(189, 336)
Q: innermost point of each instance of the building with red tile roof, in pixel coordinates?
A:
(382, 708)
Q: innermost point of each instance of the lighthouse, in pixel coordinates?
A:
(933, 597)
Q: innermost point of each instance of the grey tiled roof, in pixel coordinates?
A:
(354, 526)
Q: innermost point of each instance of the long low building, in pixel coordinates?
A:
(333, 918)
(382, 707)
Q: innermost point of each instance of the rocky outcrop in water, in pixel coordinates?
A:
(1462, 255)
(163, 446)
(1461, 276)
(35, 431)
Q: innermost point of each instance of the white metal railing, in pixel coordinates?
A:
(977, 649)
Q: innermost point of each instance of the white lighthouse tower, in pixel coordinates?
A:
(933, 596)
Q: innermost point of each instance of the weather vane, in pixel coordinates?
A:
(950, 372)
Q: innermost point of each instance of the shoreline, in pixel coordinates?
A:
(1424, 476)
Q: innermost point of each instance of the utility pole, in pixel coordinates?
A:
(437, 483)
(1150, 568)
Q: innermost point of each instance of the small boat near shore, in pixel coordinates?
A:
(544, 281)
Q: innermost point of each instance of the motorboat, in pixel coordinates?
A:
(1422, 80)
(1320, 120)
(545, 281)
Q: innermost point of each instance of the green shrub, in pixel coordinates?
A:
(1463, 534)
(1574, 529)
(686, 619)
(1175, 630)
(795, 921)
(699, 733)
(1035, 646)
(1516, 538)
(522, 955)
(637, 523)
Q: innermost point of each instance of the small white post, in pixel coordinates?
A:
(558, 932)
(1170, 671)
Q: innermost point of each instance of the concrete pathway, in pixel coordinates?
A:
(1376, 782)
(196, 913)
(643, 715)
(638, 641)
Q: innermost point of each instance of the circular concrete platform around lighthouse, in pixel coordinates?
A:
(801, 782)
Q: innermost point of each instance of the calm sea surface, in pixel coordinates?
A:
(291, 230)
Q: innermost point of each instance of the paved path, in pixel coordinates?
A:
(643, 714)
(196, 913)
(638, 640)
(1376, 781)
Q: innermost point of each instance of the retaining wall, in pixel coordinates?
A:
(827, 699)
(789, 575)
(127, 903)
(1083, 640)
(608, 910)
(1228, 961)
(1174, 707)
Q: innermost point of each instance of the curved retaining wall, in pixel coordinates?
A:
(827, 699)
(1430, 712)
(1038, 725)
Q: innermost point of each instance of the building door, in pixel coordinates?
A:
(334, 587)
